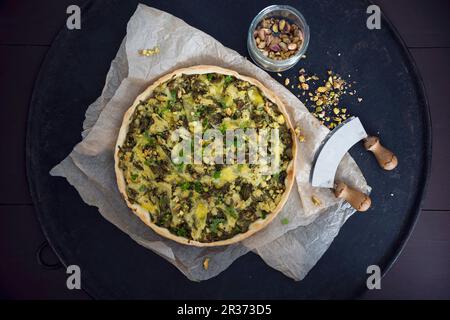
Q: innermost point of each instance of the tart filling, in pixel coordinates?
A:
(206, 201)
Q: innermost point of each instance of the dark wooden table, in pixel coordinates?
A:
(26, 32)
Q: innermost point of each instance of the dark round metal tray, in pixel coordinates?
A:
(114, 266)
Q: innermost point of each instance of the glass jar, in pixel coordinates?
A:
(291, 15)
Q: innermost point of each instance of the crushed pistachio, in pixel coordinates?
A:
(316, 201)
(325, 98)
(298, 133)
(149, 52)
(304, 86)
(206, 263)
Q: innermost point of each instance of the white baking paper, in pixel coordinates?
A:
(292, 248)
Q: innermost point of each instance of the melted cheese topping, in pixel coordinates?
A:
(203, 202)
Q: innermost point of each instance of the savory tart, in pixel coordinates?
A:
(203, 204)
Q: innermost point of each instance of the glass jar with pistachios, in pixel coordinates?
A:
(278, 37)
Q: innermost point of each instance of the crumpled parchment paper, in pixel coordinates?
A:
(292, 248)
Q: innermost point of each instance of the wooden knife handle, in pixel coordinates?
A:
(385, 157)
(357, 199)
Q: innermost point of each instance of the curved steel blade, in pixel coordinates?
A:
(332, 149)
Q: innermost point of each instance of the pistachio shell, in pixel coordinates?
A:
(261, 34)
(275, 40)
(283, 46)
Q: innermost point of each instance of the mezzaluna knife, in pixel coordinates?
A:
(330, 153)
